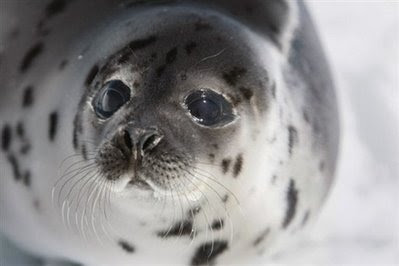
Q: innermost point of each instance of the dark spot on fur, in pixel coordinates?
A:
(92, 74)
(217, 224)
(84, 152)
(27, 98)
(20, 130)
(30, 56)
(305, 218)
(225, 165)
(26, 147)
(292, 138)
(234, 75)
(225, 198)
(238, 165)
(15, 166)
(208, 252)
(189, 47)
(63, 64)
(261, 237)
(194, 211)
(75, 136)
(292, 201)
(6, 137)
(171, 56)
(77, 128)
(160, 70)
(55, 7)
(247, 93)
(182, 228)
(126, 246)
(142, 43)
(27, 179)
(200, 25)
(211, 157)
(53, 123)
(234, 100)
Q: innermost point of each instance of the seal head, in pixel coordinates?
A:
(158, 107)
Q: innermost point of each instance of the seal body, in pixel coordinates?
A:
(174, 132)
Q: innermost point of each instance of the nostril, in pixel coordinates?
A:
(149, 141)
(128, 140)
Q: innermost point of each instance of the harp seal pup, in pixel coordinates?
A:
(172, 132)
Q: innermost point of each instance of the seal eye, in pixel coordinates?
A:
(111, 97)
(209, 108)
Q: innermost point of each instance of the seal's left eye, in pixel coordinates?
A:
(209, 108)
(110, 98)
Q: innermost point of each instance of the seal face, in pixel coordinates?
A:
(196, 129)
(154, 112)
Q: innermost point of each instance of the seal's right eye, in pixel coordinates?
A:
(110, 98)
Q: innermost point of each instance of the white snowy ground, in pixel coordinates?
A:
(360, 222)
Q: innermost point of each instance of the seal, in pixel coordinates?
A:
(173, 132)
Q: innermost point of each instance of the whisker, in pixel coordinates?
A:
(204, 212)
(212, 178)
(84, 169)
(83, 217)
(223, 205)
(80, 196)
(97, 189)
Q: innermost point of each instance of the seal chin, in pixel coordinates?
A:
(139, 184)
(144, 184)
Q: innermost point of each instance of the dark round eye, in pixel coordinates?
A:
(110, 98)
(209, 108)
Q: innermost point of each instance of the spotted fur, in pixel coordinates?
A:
(292, 202)
(6, 137)
(30, 56)
(53, 124)
(207, 253)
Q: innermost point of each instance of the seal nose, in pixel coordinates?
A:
(141, 140)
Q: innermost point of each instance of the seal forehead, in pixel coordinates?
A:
(192, 50)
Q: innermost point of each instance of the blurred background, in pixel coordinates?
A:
(360, 222)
